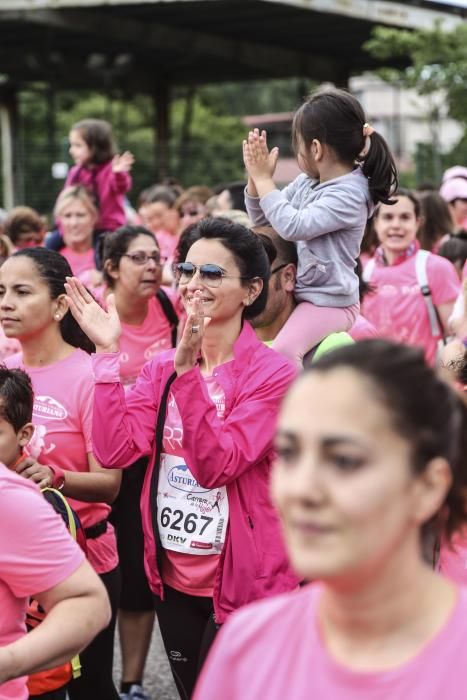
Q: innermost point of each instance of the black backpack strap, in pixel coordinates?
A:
(158, 442)
(170, 313)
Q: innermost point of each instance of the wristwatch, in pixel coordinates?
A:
(58, 480)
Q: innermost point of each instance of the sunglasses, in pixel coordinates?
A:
(210, 274)
(141, 258)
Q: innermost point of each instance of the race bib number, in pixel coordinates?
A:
(191, 519)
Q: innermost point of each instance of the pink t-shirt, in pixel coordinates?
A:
(82, 264)
(167, 243)
(139, 344)
(397, 308)
(453, 558)
(62, 416)
(8, 346)
(273, 649)
(189, 573)
(36, 553)
(363, 329)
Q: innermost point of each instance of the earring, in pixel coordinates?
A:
(57, 317)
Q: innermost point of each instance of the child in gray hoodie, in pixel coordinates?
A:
(347, 169)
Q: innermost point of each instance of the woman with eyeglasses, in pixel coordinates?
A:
(205, 416)
(132, 273)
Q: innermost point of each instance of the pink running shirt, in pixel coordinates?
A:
(36, 553)
(189, 573)
(81, 263)
(62, 416)
(273, 649)
(453, 558)
(167, 243)
(363, 329)
(139, 344)
(397, 308)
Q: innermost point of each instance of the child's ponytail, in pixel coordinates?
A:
(378, 166)
(336, 118)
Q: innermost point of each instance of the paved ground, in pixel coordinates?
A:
(158, 678)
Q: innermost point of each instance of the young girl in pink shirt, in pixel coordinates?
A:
(55, 353)
(361, 477)
(396, 306)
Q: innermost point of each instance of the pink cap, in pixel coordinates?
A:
(455, 171)
(454, 189)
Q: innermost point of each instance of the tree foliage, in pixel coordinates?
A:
(436, 58)
(205, 141)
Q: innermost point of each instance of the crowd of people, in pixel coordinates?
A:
(250, 406)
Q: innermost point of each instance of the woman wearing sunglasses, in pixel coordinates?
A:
(205, 415)
(132, 272)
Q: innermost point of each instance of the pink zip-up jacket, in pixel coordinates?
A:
(108, 188)
(236, 453)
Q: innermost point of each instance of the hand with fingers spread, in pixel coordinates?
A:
(41, 474)
(102, 327)
(259, 161)
(189, 348)
(123, 163)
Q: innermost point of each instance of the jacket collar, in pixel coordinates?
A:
(381, 260)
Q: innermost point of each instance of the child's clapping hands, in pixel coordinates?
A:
(260, 163)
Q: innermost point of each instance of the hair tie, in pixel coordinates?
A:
(367, 131)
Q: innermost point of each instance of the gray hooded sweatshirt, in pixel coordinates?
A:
(327, 222)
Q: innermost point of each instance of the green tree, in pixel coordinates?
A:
(434, 63)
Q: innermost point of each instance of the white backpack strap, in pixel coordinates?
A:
(421, 261)
(368, 270)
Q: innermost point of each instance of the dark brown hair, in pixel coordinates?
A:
(98, 136)
(336, 119)
(23, 220)
(436, 222)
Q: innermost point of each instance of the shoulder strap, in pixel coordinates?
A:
(421, 261)
(71, 523)
(368, 270)
(158, 441)
(170, 313)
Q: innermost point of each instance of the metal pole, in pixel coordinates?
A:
(7, 126)
(162, 105)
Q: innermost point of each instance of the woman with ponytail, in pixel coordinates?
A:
(347, 169)
(363, 476)
(56, 354)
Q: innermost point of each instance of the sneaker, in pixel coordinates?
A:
(136, 692)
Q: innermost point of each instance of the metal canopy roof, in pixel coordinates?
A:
(136, 44)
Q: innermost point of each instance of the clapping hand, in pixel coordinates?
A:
(102, 327)
(189, 347)
(259, 161)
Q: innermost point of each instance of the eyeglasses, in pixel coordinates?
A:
(279, 267)
(209, 273)
(192, 212)
(141, 258)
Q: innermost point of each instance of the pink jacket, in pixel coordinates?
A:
(108, 188)
(237, 453)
